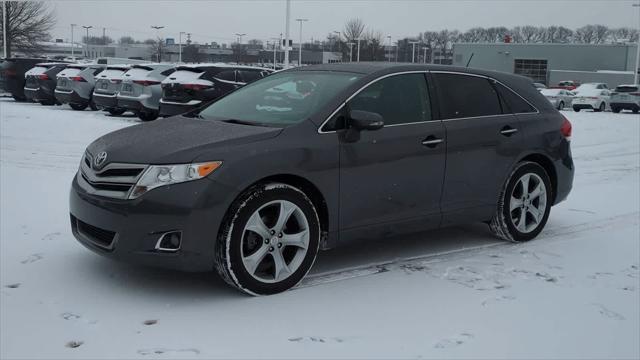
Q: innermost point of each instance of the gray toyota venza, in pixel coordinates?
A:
(254, 184)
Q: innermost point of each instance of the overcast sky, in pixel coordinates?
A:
(261, 19)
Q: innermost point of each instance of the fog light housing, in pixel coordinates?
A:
(170, 241)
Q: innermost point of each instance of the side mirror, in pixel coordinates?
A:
(365, 120)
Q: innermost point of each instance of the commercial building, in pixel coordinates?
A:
(549, 63)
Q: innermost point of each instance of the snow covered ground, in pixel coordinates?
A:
(454, 293)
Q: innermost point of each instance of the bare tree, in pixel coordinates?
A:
(600, 33)
(353, 29)
(97, 40)
(157, 48)
(28, 24)
(126, 40)
(373, 45)
(585, 34)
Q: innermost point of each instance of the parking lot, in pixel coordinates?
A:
(455, 292)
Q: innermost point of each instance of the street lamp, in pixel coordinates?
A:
(300, 45)
(413, 52)
(358, 56)
(275, 41)
(389, 51)
(87, 38)
(239, 37)
(180, 46)
(158, 36)
(72, 43)
(635, 72)
(286, 35)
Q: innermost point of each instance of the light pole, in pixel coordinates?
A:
(300, 45)
(350, 50)
(73, 45)
(4, 28)
(358, 56)
(239, 38)
(389, 52)
(339, 38)
(424, 57)
(157, 27)
(275, 41)
(413, 52)
(87, 38)
(286, 35)
(635, 71)
(180, 46)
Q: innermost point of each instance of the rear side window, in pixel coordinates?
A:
(248, 76)
(226, 75)
(168, 72)
(463, 96)
(400, 99)
(512, 102)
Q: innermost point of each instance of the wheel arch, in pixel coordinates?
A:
(548, 166)
(311, 190)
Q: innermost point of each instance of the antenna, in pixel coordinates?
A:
(470, 57)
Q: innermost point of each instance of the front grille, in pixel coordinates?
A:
(98, 236)
(115, 180)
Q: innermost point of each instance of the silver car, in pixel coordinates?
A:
(141, 91)
(560, 98)
(75, 85)
(625, 97)
(107, 86)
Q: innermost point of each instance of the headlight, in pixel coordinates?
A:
(160, 175)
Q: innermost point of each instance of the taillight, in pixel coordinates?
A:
(614, 93)
(146, 82)
(196, 86)
(43, 77)
(116, 81)
(566, 129)
(635, 93)
(592, 98)
(9, 72)
(77, 78)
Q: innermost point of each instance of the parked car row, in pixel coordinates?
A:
(148, 90)
(593, 96)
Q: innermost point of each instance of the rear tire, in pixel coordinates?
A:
(47, 103)
(635, 111)
(615, 109)
(561, 105)
(268, 240)
(79, 107)
(19, 98)
(525, 194)
(576, 109)
(147, 116)
(116, 112)
(600, 108)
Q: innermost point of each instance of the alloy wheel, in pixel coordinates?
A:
(528, 203)
(275, 241)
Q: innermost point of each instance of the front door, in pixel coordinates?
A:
(393, 175)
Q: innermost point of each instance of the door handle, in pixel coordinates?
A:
(508, 131)
(431, 141)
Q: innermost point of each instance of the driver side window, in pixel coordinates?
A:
(400, 99)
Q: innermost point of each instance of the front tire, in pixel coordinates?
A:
(116, 112)
(268, 240)
(147, 116)
(576, 109)
(600, 108)
(561, 105)
(615, 109)
(524, 204)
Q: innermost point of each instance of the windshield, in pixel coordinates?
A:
(280, 99)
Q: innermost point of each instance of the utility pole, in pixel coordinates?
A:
(239, 39)
(4, 28)
(424, 57)
(300, 45)
(73, 45)
(275, 42)
(389, 51)
(358, 57)
(157, 27)
(286, 36)
(104, 37)
(413, 52)
(180, 47)
(87, 38)
(339, 39)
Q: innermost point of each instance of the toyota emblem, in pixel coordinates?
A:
(100, 159)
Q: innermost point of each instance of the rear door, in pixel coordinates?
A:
(484, 138)
(32, 77)
(392, 177)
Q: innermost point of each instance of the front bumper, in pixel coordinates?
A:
(195, 208)
(70, 97)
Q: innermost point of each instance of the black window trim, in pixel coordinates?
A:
(343, 104)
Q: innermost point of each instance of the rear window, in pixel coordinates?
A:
(182, 75)
(626, 89)
(226, 75)
(112, 73)
(248, 76)
(463, 96)
(136, 73)
(36, 71)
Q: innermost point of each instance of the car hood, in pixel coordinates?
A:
(175, 140)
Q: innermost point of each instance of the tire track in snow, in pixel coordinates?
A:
(562, 232)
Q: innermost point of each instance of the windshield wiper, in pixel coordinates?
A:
(242, 122)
